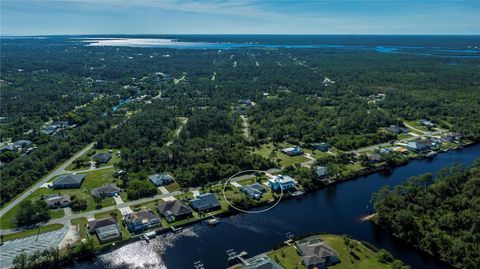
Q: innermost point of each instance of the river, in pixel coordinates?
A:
(336, 209)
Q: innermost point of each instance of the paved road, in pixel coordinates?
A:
(60, 170)
(67, 218)
(439, 131)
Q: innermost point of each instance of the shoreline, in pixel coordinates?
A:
(230, 212)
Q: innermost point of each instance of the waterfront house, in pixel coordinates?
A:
(68, 181)
(254, 191)
(321, 172)
(174, 210)
(324, 147)
(58, 201)
(108, 190)
(161, 179)
(426, 123)
(417, 146)
(141, 220)
(293, 151)
(205, 202)
(107, 230)
(281, 182)
(316, 253)
(261, 261)
(374, 158)
(102, 157)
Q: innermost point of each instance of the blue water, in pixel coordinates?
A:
(335, 209)
(289, 42)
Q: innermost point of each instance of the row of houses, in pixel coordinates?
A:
(108, 229)
(297, 151)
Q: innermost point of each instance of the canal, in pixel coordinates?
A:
(336, 209)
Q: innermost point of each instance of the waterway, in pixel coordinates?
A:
(282, 43)
(336, 209)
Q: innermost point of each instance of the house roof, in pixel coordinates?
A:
(282, 179)
(69, 179)
(161, 179)
(314, 246)
(102, 157)
(374, 157)
(57, 199)
(22, 143)
(108, 232)
(93, 225)
(109, 188)
(254, 190)
(321, 171)
(176, 208)
(142, 215)
(204, 201)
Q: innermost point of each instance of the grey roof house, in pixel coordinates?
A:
(108, 190)
(321, 171)
(141, 220)
(374, 158)
(205, 202)
(316, 253)
(68, 181)
(102, 157)
(161, 179)
(56, 201)
(320, 146)
(254, 191)
(22, 144)
(417, 145)
(106, 229)
(173, 210)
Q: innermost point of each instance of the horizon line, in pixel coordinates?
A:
(230, 34)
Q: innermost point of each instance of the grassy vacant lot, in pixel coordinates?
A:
(172, 187)
(270, 152)
(416, 124)
(92, 180)
(365, 258)
(43, 229)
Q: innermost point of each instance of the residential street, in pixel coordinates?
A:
(59, 171)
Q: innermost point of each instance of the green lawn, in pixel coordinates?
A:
(283, 159)
(115, 159)
(404, 136)
(172, 187)
(92, 180)
(416, 124)
(43, 229)
(366, 258)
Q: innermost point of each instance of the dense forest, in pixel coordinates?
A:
(440, 214)
(134, 99)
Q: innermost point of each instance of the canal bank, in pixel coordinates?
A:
(335, 209)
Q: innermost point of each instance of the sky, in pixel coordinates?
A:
(54, 17)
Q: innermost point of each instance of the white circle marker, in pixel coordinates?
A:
(249, 211)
